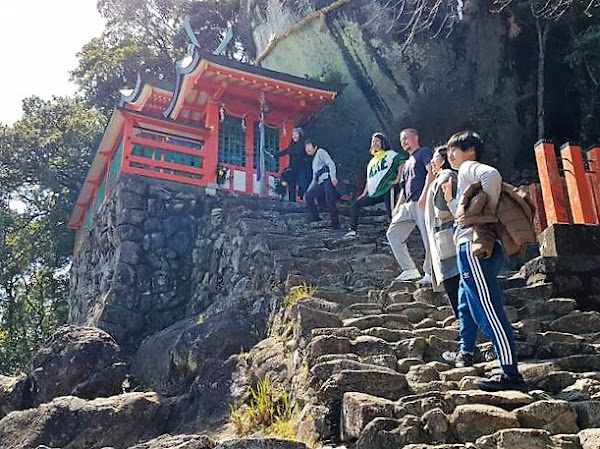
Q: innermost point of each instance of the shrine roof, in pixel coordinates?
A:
(202, 62)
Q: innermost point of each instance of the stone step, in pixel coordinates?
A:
(363, 346)
(380, 382)
(387, 320)
(362, 309)
(342, 296)
(519, 297)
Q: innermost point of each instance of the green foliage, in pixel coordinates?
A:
(146, 37)
(270, 410)
(43, 160)
(299, 292)
(105, 67)
(584, 58)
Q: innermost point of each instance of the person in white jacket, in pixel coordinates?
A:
(322, 187)
(439, 222)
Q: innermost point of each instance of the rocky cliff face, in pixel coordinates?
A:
(160, 253)
(436, 85)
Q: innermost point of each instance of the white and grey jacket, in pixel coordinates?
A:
(323, 167)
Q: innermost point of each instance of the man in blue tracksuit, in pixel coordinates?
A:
(480, 297)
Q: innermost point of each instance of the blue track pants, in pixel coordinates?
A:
(480, 306)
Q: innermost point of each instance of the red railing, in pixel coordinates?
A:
(166, 161)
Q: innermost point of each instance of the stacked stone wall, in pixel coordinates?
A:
(160, 252)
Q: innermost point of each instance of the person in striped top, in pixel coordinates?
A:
(383, 173)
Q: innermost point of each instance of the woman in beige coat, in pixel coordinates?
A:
(439, 224)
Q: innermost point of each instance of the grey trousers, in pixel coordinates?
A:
(403, 223)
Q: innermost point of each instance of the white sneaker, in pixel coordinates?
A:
(408, 275)
(350, 233)
(425, 280)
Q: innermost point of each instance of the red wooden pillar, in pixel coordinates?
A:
(535, 195)
(250, 171)
(593, 157)
(593, 189)
(210, 148)
(580, 198)
(555, 204)
(127, 145)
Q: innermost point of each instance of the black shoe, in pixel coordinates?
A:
(314, 220)
(459, 359)
(501, 382)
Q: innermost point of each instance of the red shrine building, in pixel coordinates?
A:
(205, 132)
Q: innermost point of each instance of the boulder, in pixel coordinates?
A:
(326, 369)
(263, 443)
(505, 399)
(475, 420)
(553, 416)
(588, 414)
(170, 360)
(422, 374)
(268, 357)
(359, 409)
(68, 421)
(385, 433)
(366, 345)
(79, 361)
(379, 382)
(584, 322)
(564, 441)
(314, 423)
(436, 424)
(178, 441)
(516, 439)
(589, 438)
(14, 393)
(327, 344)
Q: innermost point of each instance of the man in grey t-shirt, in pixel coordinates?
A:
(410, 208)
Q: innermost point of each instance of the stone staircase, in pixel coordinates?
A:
(363, 357)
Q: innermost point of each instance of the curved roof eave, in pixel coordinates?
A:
(180, 73)
(200, 55)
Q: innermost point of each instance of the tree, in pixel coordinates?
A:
(583, 56)
(43, 160)
(145, 36)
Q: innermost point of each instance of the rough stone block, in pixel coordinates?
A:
(588, 414)
(572, 240)
(589, 438)
(378, 382)
(359, 409)
(476, 420)
(516, 439)
(553, 416)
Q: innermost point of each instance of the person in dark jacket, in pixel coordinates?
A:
(298, 174)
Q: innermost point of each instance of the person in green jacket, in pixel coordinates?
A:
(383, 173)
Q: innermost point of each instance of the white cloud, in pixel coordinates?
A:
(38, 43)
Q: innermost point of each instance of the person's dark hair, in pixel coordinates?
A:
(463, 140)
(309, 140)
(385, 145)
(442, 150)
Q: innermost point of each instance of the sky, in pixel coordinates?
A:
(39, 40)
